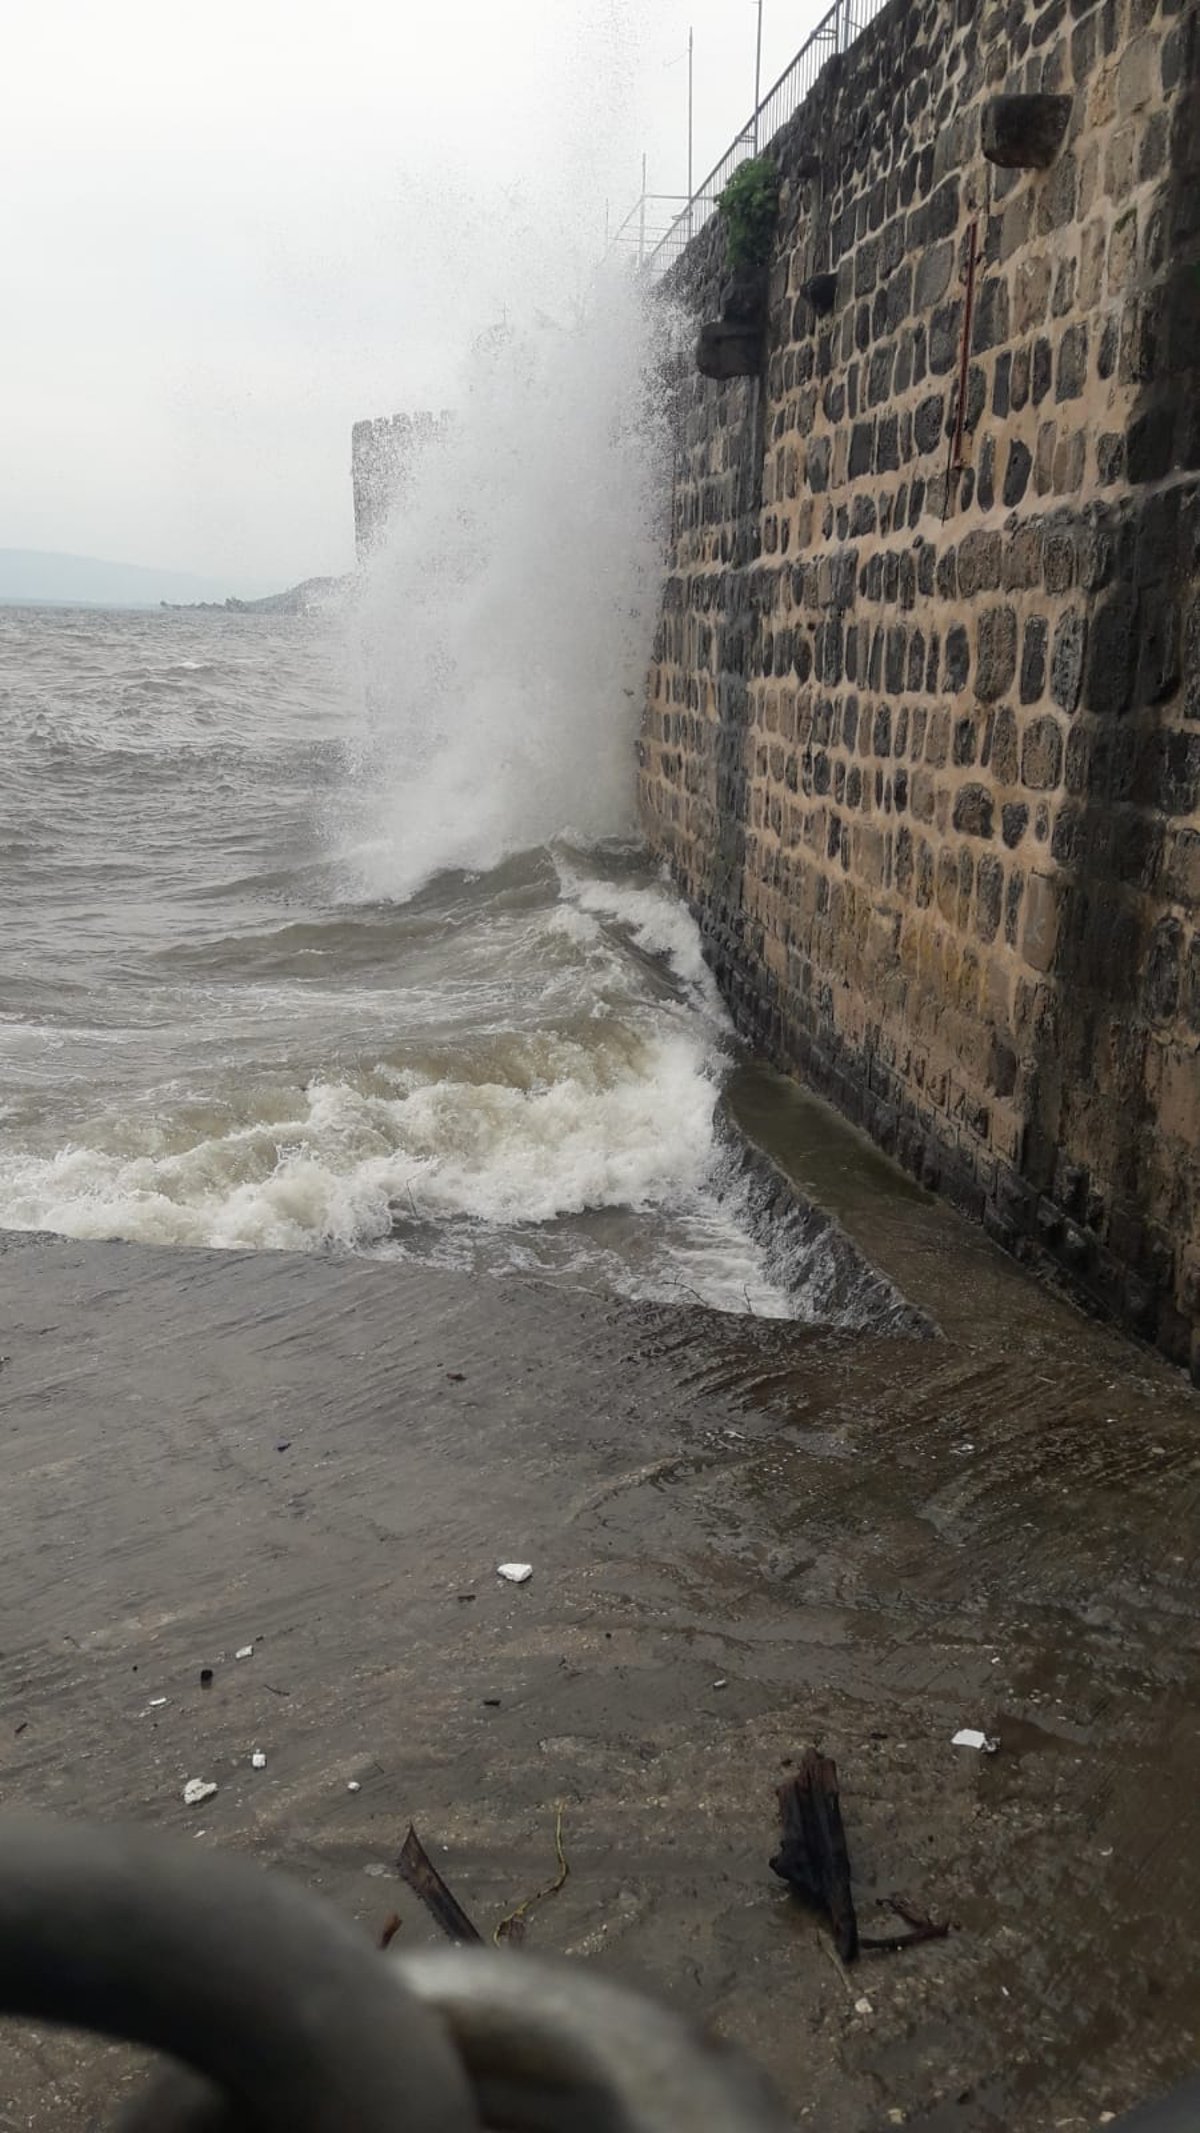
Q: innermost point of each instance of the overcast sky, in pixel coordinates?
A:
(230, 230)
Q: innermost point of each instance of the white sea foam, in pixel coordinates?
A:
(622, 1123)
(656, 921)
(504, 624)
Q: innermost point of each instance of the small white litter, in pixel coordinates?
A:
(197, 1790)
(354, 1786)
(246, 1652)
(863, 2006)
(970, 1737)
(720, 1684)
(258, 1760)
(156, 1703)
(515, 1573)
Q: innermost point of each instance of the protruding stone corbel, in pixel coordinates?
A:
(732, 345)
(727, 349)
(1024, 132)
(820, 290)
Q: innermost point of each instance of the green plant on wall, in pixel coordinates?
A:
(749, 206)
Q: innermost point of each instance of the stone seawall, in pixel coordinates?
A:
(922, 739)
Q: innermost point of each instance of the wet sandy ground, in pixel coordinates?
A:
(869, 1543)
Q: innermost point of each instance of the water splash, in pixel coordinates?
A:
(504, 623)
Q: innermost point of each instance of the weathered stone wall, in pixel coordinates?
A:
(922, 745)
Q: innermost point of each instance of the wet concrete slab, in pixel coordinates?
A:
(746, 1537)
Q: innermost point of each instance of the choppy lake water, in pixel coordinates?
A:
(210, 1035)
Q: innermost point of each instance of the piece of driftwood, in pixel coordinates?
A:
(423, 1878)
(923, 1929)
(813, 1857)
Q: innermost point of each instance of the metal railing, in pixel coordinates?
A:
(835, 32)
(648, 224)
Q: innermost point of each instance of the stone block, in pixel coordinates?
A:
(1120, 161)
(928, 422)
(1016, 224)
(1042, 754)
(1149, 447)
(1138, 75)
(1122, 253)
(1002, 755)
(1110, 458)
(1031, 293)
(1043, 464)
(728, 349)
(1158, 662)
(862, 446)
(1023, 558)
(1016, 472)
(1058, 559)
(817, 463)
(945, 330)
(1093, 246)
(1042, 370)
(1111, 655)
(979, 559)
(1039, 936)
(1191, 658)
(1137, 356)
(957, 660)
(1057, 200)
(1071, 368)
(1066, 666)
(932, 279)
(1033, 659)
(990, 323)
(974, 810)
(996, 653)
(1181, 321)
(887, 445)
(943, 210)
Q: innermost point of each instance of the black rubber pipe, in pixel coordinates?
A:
(260, 1988)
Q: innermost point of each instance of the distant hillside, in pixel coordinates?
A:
(299, 599)
(29, 577)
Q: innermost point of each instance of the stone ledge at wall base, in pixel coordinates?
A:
(807, 1252)
(1056, 1233)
